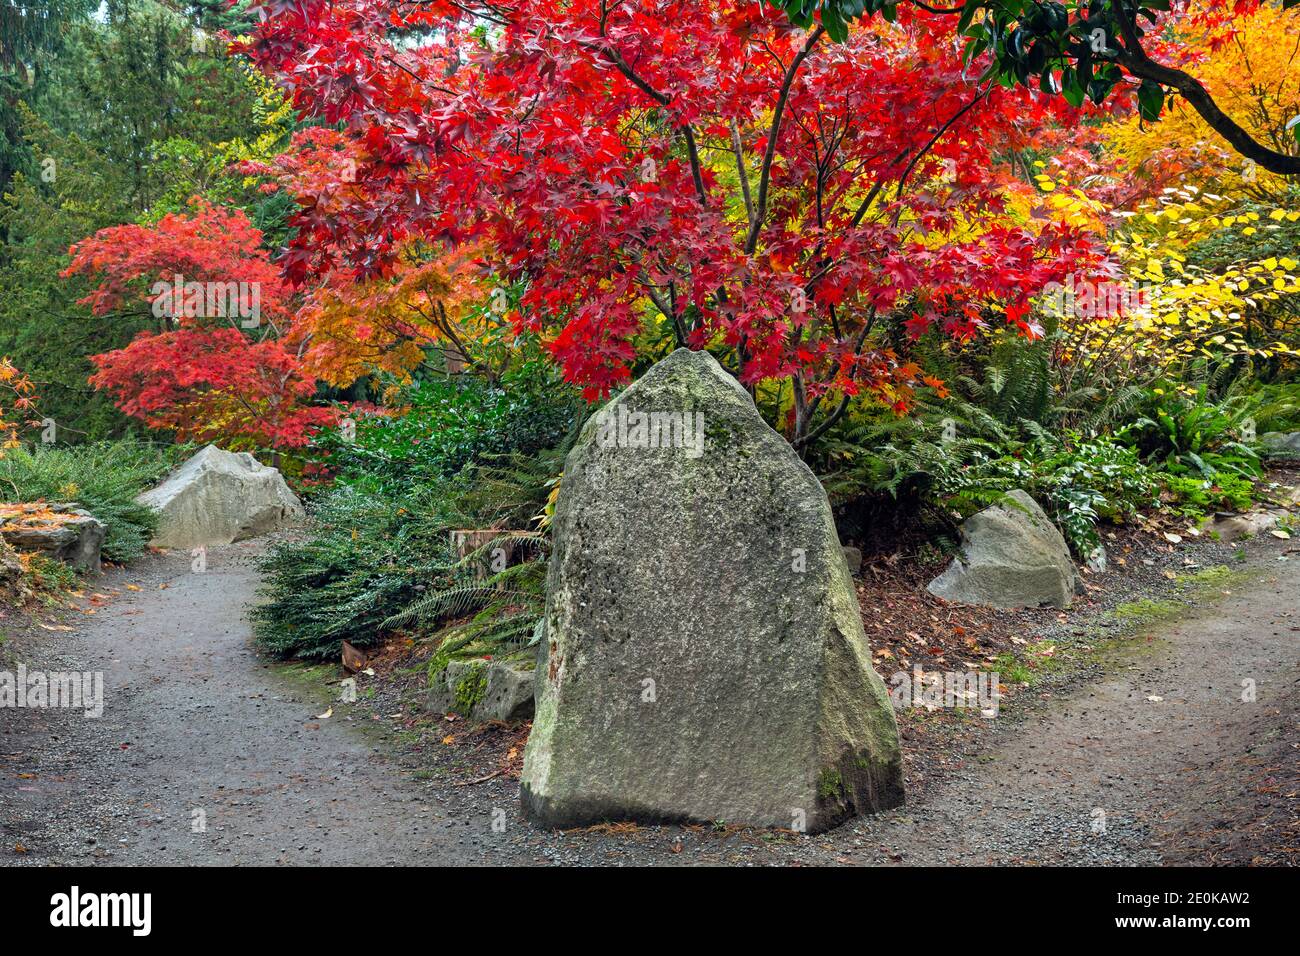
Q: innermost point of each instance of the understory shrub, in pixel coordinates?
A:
(1274, 407)
(104, 478)
(1187, 431)
(368, 551)
(373, 564)
(1198, 444)
(497, 593)
(451, 423)
(954, 458)
(379, 553)
(1077, 481)
(1189, 446)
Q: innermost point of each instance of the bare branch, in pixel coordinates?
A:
(742, 172)
(765, 171)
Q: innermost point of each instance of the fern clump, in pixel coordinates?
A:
(380, 558)
(367, 552)
(104, 478)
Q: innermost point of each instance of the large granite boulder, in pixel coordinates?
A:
(703, 656)
(63, 532)
(218, 497)
(1011, 556)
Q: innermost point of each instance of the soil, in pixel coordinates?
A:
(1124, 735)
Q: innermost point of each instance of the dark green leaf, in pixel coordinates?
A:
(1151, 97)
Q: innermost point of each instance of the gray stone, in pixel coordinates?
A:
(483, 690)
(853, 558)
(703, 656)
(218, 497)
(508, 695)
(1011, 556)
(13, 590)
(1231, 528)
(441, 697)
(1281, 444)
(75, 537)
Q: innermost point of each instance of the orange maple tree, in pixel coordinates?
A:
(16, 399)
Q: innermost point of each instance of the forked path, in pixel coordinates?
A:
(1186, 752)
(205, 754)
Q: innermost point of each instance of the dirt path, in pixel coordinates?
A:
(1166, 760)
(197, 728)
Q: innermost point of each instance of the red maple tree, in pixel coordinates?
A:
(220, 362)
(755, 188)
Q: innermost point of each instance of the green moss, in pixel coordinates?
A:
(470, 688)
(1146, 610)
(314, 677)
(720, 434)
(1010, 670)
(1214, 577)
(829, 784)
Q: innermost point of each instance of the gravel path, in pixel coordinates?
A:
(197, 729)
(1160, 760)
(1144, 765)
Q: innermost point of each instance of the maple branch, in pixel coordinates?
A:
(838, 413)
(663, 99)
(415, 76)
(1133, 58)
(742, 172)
(444, 324)
(765, 171)
(694, 154)
(941, 10)
(935, 138)
(881, 181)
(875, 190)
(497, 16)
(679, 331)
